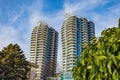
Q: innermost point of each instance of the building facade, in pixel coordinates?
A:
(75, 31)
(44, 43)
(32, 72)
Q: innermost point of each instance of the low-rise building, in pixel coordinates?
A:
(32, 72)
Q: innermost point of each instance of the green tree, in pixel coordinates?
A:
(101, 59)
(13, 64)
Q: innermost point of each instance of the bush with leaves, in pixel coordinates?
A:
(13, 64)
(101, 59)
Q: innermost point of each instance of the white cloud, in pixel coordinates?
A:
(10, 34)
(15, 17)
(83, 8)
(35, 12)
(7, 35)
(82, 5)
(21, 34)
(115, 10)
(104, 21)
(53, 20)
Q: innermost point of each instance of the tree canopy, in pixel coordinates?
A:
(13, 64)
(101, 59)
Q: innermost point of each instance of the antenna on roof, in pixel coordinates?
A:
(69, 15)
(38, 22)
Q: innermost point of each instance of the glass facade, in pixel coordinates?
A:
(75, 31)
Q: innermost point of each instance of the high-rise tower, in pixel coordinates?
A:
(44, 43)
(75, 31)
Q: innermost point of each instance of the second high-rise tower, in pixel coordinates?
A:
(75, 31)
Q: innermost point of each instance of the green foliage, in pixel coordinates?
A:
(101, 59)
(13, 64)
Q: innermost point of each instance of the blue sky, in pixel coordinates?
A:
(18, 17)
